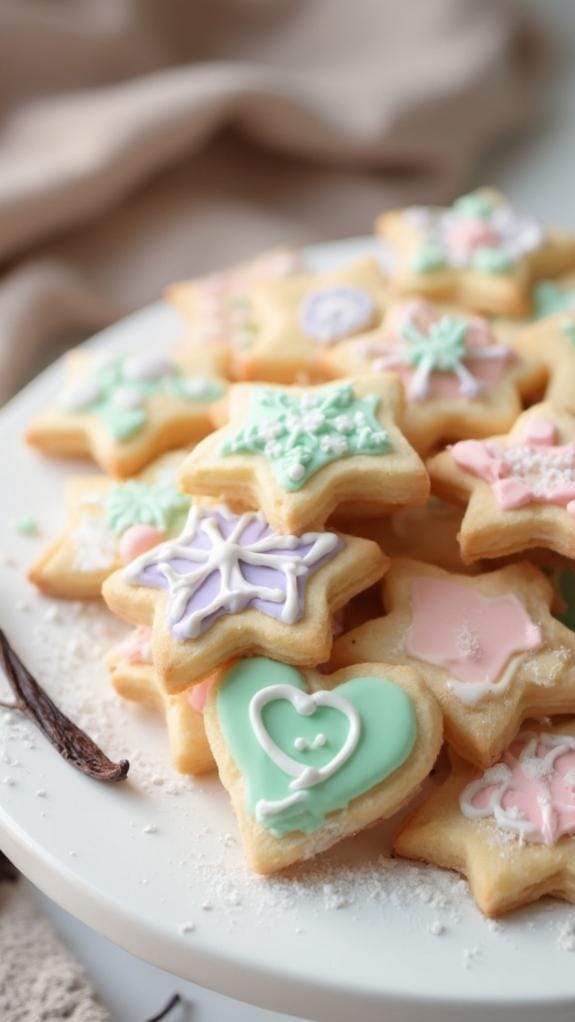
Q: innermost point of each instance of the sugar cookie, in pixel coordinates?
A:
(124, 411)
(133, 676)
(519, 488)
(108, 523)
(296, 320)
(300, 454)
(478, 252)
(230, 585)
(509, 830)
(216, 309)
(309, 758)
(461, 374)
(487, 647)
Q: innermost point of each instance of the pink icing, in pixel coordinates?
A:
(385, 354)
(531, 791)
(464, 235)
(533, 470)
(197, 694)
(471, 635)
(137, 539)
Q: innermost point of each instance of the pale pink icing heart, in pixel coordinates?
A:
(534, 469)
(137, 539)
(531, 791)
(470, 635)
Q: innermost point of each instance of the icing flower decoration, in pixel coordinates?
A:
(302, 435)
(531, 791)
(135, 503)
(433, 352)
(474, 233)
(118, 391)
(224, 563)
(336, 312)
(534, 470)
(475, 637)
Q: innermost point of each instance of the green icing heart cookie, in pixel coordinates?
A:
(304, 755)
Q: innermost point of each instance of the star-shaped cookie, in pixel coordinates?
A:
(230, 585)
(461, 374)
(216, 309)
(108, 522)
(479, 252)
(552, 341)
(301, 454)
(486, 645)
(294, 321)
(509, 830)
(123, 411)
(132, 674)
(519, 488)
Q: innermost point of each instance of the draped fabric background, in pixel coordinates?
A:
(143, 141)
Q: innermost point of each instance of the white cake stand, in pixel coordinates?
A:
(154, 864)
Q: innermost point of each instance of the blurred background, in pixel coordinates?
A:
(144, 141)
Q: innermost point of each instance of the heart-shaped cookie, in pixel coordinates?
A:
(308, 758)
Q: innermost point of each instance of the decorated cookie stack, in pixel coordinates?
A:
(306, 416)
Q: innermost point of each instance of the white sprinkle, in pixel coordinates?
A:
(10, 781)
(229, 841)
(73, 854)
(207, 906)
(52, 615)
(437, 928)
(187, 927)
(158, 780)
(41, 793)
(150, 828)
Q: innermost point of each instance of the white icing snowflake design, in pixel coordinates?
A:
(224, 563)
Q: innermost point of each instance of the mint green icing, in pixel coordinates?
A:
(442, 348)
(492, 260)
(136, 503)
(549, 298)
(27, 525)
(473, 205)
(118, 393)
(568, 328)
(301, 435)
(386, 738)
(428, 258)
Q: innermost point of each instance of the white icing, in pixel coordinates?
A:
(303, 776)
(147, 366)
(471, 692)
(80, 393)
(500, 778)
(225, 556)
(94, 545)
(197, 387)
(127, 398)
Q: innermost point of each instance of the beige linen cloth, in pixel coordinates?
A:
(143, 141)
(147, 140)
